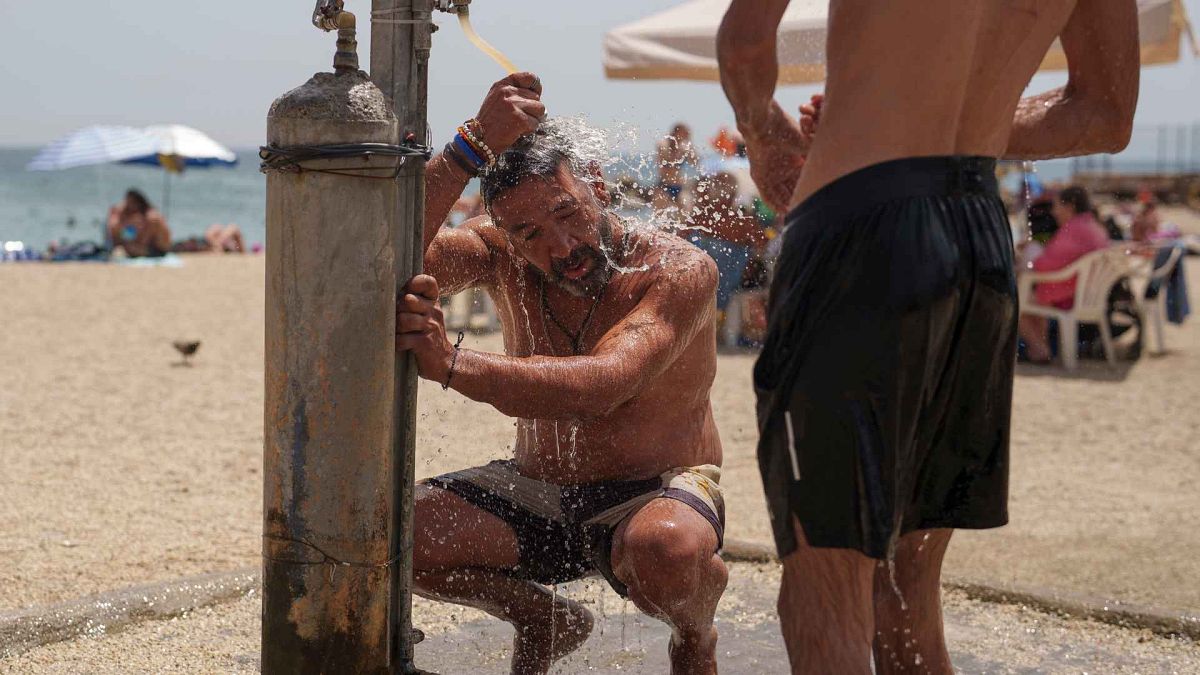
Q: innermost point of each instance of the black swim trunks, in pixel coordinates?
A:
(885, 383)
(565, 532)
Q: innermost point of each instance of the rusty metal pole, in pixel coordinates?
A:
(401, 33)
(330, 321)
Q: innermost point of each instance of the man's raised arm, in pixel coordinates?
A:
(746, 53)
(511, 109)
(1094, 111)
(633, 352)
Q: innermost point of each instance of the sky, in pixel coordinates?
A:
(218, 65)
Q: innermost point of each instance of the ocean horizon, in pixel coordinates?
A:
(40, 207)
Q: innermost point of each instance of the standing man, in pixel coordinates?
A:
(885, 385)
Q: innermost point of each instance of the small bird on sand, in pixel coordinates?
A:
(187, 349)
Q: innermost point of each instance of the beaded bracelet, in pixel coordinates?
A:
(469, 138)
(468, 151)
(452, 151)
(465, 130)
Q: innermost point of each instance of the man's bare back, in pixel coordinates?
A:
(951, 84)
(921, 98)
(667, 424)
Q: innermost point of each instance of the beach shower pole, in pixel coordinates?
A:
(401, 38)
(331, 276)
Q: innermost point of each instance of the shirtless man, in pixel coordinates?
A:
(885, 383)
(672, 153)
(609, 357)
(138, 227)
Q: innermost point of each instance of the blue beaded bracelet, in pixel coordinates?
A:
(469, 152)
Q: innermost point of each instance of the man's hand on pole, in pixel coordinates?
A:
(512, 108)
(421, 329)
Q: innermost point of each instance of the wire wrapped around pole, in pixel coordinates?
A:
(292, 159)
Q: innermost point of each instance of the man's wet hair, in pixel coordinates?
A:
(540, 154)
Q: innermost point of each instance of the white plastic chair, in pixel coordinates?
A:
(1154, 310)
(1095, 275)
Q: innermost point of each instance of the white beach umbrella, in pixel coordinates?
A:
(93, 145)
(680, 43)
(177, 146)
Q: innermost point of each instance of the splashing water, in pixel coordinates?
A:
(891, 565)
(553, 623)
(1028, 168)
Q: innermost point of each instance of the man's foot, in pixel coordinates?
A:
(694, 654)
(538, 643)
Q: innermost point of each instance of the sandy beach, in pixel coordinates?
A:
(118, 466)
(983, 639)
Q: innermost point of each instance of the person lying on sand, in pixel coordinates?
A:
(609, 357)
(217, 238)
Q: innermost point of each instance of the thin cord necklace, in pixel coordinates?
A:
(576, 337)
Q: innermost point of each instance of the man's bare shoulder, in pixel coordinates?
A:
(483, 227)
(673, 266)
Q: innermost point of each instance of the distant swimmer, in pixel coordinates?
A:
(610, 353)
(885, 384)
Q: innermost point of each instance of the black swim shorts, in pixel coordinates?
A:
(885, 383)
(565, 532)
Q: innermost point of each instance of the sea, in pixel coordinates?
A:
(40, 207)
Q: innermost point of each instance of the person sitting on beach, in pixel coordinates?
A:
(138, 228)
(1145, 224)
(1079, 233)
(217, 238)
(609, 358)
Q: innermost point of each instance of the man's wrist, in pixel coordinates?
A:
(451, 363)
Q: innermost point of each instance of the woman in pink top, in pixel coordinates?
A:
(1079, 234)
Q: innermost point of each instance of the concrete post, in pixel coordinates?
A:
(330, 353)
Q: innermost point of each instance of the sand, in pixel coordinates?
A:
(120, 467)
(982, 638)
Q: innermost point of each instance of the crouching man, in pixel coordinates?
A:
(609, 358)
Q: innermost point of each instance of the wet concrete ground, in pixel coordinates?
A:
(984, 638)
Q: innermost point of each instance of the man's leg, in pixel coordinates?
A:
(825, 608)
(666, 554)
(459, 554)
(909, 636)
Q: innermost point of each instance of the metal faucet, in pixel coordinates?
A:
(451, 6)
(325, 16)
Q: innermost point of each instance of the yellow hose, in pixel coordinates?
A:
(464, 20)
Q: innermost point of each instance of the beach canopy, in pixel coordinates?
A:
(680, 43)
(177, 147)
(93, 145)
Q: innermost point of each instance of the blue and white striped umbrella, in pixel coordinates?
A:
(94, 145)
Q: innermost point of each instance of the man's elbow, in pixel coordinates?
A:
(1115, 129)
(741, 43)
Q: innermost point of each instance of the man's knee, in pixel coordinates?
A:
(661, 558)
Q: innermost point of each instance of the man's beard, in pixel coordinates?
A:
(600, 262)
